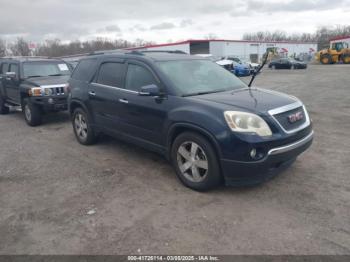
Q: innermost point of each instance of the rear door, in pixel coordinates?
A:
(12, 84)
(104, 93)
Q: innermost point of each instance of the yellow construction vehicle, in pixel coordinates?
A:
(337, 52)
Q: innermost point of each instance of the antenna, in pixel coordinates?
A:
(259, 69)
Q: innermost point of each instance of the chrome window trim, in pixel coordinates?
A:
(283, 149)
(286, 108)
(117, 88)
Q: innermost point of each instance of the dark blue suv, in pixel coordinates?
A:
(210, 125)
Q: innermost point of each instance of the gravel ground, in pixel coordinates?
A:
(58, 197)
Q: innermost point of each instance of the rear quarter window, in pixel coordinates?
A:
(84, 70)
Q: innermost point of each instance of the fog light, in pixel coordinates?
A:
(50, 101)
(253, 153)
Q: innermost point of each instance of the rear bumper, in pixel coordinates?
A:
(238, 173)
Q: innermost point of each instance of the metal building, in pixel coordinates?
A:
(252, 50)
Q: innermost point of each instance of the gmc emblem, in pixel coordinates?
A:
(295, 117)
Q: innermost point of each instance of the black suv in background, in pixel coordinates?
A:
(207, 122)
(37, 84)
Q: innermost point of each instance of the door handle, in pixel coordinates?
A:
(124, 101)
(92, 93)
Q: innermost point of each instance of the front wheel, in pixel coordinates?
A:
(195, 162)
(346, 58)
(82, 127)
(32, 113)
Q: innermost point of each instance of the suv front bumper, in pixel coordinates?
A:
(51, 103)
(239, 173)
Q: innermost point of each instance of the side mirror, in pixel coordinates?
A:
(150, 90)
(11, 75)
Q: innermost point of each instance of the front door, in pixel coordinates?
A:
(12, 84)
(142, 117)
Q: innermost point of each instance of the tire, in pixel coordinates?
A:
(345, 58)
(3, 108)
(293, 67)
(32, 113)
(83, 130)
(273, 67)
(326, 59)
(192, 154)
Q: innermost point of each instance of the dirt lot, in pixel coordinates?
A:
(58, 197)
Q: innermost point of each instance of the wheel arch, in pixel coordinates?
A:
(176, 129)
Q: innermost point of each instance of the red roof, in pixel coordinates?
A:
(340, 38)
(220, 40)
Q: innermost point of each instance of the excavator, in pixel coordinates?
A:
(337, 52)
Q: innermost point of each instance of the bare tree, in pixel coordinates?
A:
(2, 48)
(20, 47)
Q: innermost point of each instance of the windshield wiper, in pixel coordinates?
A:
(56, 75)
(204, 93)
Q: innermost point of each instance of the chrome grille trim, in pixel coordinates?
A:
(287, 108)
(57, 90)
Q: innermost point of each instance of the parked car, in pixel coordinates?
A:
(37, 84)
(287, 63)
(209, 124)
(235, 68)
(253, 66)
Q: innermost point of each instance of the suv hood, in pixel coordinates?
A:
(47, 80)
(255, 100)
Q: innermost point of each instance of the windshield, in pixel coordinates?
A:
(38, 69)
(194, 77)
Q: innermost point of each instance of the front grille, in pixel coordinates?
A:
(54, 90)
(284, 121)
(57, 91)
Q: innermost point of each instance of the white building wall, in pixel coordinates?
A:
(245, 49)
(180, 47)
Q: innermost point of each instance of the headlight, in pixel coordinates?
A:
(35, 91)
(247, 123)
(48, 91)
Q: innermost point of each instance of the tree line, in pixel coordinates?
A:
(57, 48)
(321, 36)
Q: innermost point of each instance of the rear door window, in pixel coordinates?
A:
(111, 74)
(137, 77)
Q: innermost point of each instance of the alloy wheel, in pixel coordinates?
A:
(28, 112)
(192, 162)
(80, 126)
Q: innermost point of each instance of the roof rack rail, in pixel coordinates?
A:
(165, 51)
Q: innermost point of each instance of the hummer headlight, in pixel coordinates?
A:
(244, 122)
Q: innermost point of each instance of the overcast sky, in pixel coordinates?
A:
(163, 20)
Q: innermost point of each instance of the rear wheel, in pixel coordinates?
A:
(82, 127)
(3, 108)
(195, 162)
(273, 67)
(32, 113)
(346, 58)
(326, 59)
